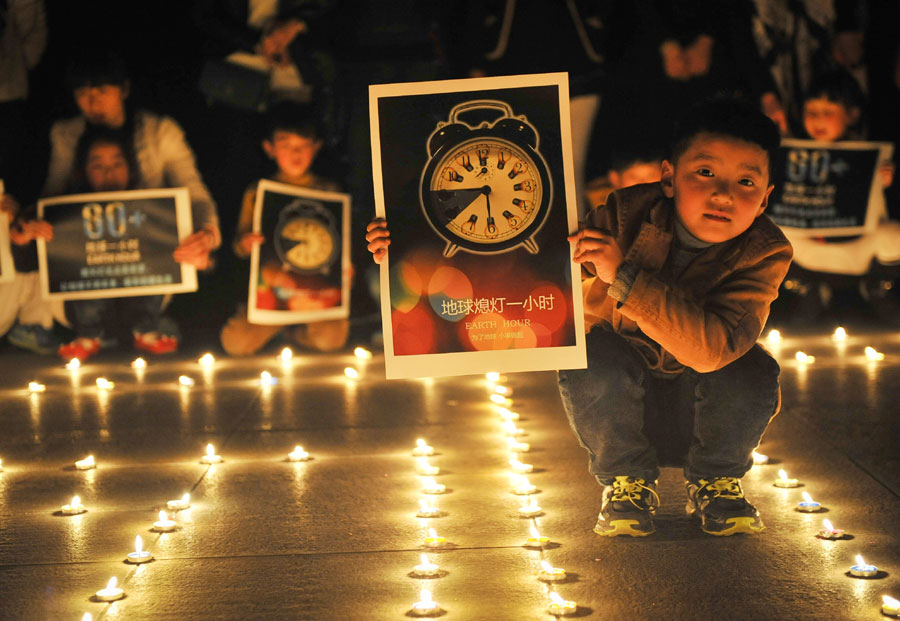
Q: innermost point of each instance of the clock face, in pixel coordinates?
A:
(485, 191)
(307, 243)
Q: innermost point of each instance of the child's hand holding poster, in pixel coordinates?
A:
(475, 180)
(301, 272)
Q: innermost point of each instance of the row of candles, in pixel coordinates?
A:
(840, 336)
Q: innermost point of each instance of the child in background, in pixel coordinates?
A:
(631, 165)
(677, 279)
(292, 140)
(832, 112)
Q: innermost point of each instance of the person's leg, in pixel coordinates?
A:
(239, 337)
(34, 309)
(88, 318)
(322, 335)
(605, 406)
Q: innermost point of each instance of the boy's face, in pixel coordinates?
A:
(720, 186)
(103, 104)
(106, 168)
(826, 120)
(293, 153)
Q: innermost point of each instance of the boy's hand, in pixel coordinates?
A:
(9, 206)
(195, 249)
(24, 232)
(379, 239)
(248, 240)
(886, 172)
(600, 249)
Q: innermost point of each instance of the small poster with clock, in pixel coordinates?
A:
(475, 180)
(301, 272)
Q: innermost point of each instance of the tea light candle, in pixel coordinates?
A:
(422, 449)
(298, 454)
(104, 384)
(808, 505)
(506, 391)
(426, 569)
(510, 429)
(186, 381)
(427, 510)
(211, 457)
(433, 540)
(839, 334)
(165, 524)
(74, 364)
(560, 607)
(873, 354)
(73, 508)
(549, 573)
(362, 353)
(830, 532)
(507, 414)
(351, 373)
(426, 606)
(536, 540)
(774, 337)
(86, 464)
(520, 468)
(207, 360)
(138, 363)
(430, 486)
(518, 447)
(784, 481)
(531, 509)
(87, 617)
(266, 379)
(890, 606)
(863, 569)
(111, 593)
(759, 459)
(179, 504)
(423, 467)
(492, 376)
(140, 555)
(501, 400)
(804, 358)
(286, 354)
(522, 487)
(36, 387)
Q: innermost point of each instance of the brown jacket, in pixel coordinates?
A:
(713, 313)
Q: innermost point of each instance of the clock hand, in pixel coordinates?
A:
(450, 203)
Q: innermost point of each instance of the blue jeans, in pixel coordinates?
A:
(632, 420)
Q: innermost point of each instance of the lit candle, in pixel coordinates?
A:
(351, 373)
(531, 509)
(362, 353)
(87, 617)
(425, 569)
(422, 449)
(427, 510)
(266, 379)
(863, 569)
(519, 467)
(510, 429)
(286, 354)
(759, 459)
(890, 606)
(164, 524)
(423, 467)
(74, 364)
(430, 486)
(839, 334)
(210, 457)
(804, 358)
(140, 555)
(36, 387)
(298, 454)
(426, 606)
(560, 607)
(784, 481)
(506, 414)
(830, 532)
(73, 508)
(86, 464)
(522, 487)
(207, 360)
(518, 447)
(184, 380)
(492, 376)
(138, 363)
(111, 593)
(180, 503)
(808, 505)
(536, 540)
(433, 540)
(873, 355)
(501, 400)
(506, 391)
(549, 573)
(104, 384)
(773, 337)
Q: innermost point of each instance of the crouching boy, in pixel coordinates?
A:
(678, 277)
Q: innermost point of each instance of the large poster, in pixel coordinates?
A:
(475, 180)
(301, 272)
(828, 189)
(7, 267)
(115, 244)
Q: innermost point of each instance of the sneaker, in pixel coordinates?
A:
(34, 338)
(628, 508)
(81, 348)
(155, 342)
(721, 507)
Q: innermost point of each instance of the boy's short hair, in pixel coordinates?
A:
(836, 86)
(96, 68)
(294, 117)
(727, 116)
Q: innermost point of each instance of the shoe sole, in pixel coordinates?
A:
(733, 526)
(624, 528)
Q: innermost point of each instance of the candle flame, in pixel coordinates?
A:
(286, 354)
(186, 499)
(873, 354)
(112, 583)
(547, 567)
(498, 399)
(184, 380)
(138, 544)
(890, 602)
(74, 364)
(210, 451)
(87, 617)
(163, 516)
(534, 532)
(75, 501)
(493, 376)
(362, 353)
(429, 481)
(36, 387)
(207, 359)
(432, 533)
(265, 376)
(840, 334)
(423, 505)
(138, 363)
(351, 373)
(860, 560)
(420, 443)
(556, 598)
(104, 384)
(424, 559)
(806, 497)
(502, 390)
(782, 474)
(774, 337)
(425, 597)
(804, 358)
(828, 525)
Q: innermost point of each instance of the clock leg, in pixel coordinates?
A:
(530, 245)
(450, 249)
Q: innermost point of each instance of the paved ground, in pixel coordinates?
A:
(336, 537)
